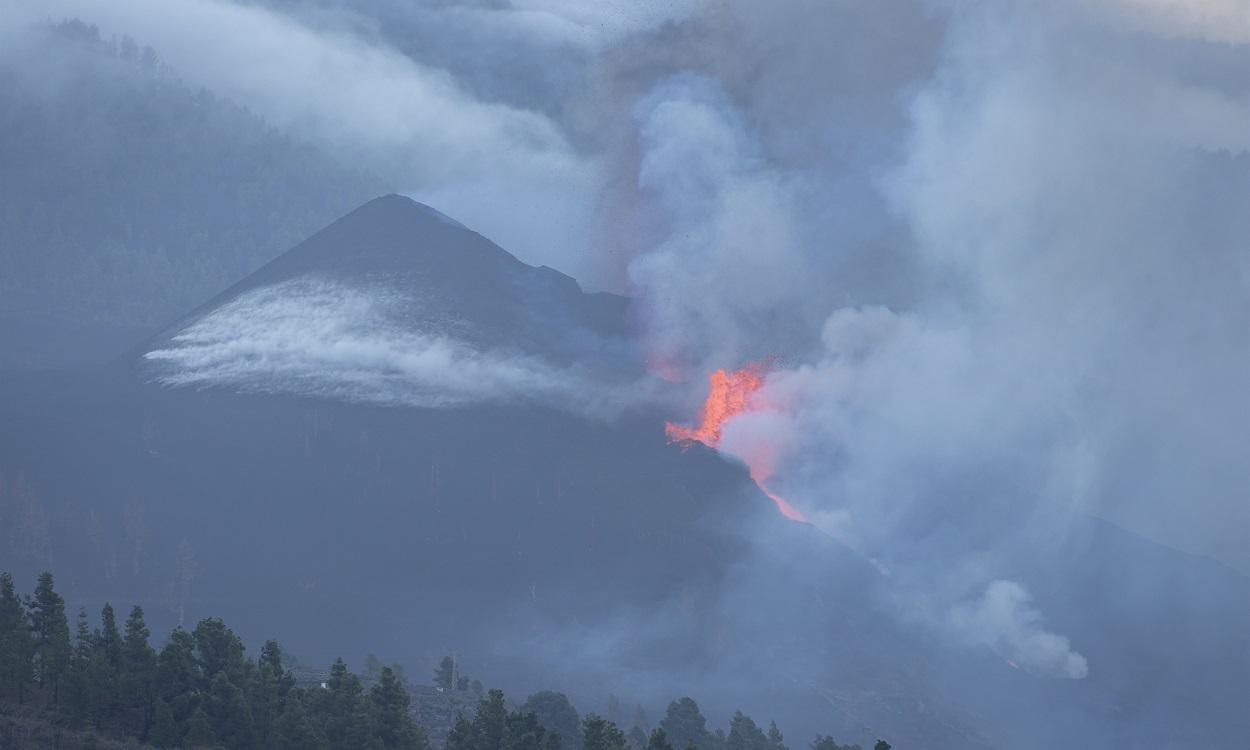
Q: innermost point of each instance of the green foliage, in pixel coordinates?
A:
(342, 710)
(490, 721)
(600, 734)
(50, 629)
(78, 700)
(177, 674)
(827, 743)
(264, 702)
(199, 730)
(556, 713)
(201, 691)
(685, 726)
(104, 666)
(658, 740)
(445, 675)
(295, 730)
(218, 649)
(16, 645)
(775, 739)
(165, 729)
(523, 732)
(461, 735)
(138, 670)
(744, 734)
(229, 714)
(392, 722)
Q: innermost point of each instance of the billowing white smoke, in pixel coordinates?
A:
(1005, 620)
(1074, 203)
(319, 338)
(708, 284)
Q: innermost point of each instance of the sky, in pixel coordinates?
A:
(994, 250)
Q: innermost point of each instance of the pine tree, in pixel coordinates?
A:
(177, 674)
(218, 649)
(79, 702)
(391, 720)
(294, 730)
(265, 703)
(138, 673)
(445, 675)
(271, 654)
(744, 734)
(658, 740)
(361, 732)
(685, 725)
(461, 735)
(199, 730)
(110, 640)
(164, 729)
(51, 634)
(16, 644)
(338, 706)
(600, 734)
(553, 740)
(229, 714)
(881, 745)
(556, 714)
(523, 732)
(775, 739)
(105, 666)
(490, 721)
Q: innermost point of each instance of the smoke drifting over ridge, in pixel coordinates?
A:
(998, 248)
(326, 339)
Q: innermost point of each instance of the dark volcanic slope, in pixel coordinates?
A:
(548, 549)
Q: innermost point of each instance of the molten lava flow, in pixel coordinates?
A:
(729, 394)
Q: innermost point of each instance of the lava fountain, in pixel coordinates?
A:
(729, 394)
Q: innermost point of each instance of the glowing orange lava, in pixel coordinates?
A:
(729, 394)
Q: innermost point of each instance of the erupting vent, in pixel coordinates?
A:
(729, 394)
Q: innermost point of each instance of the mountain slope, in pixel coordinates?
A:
(397, 436)
(436, 312)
